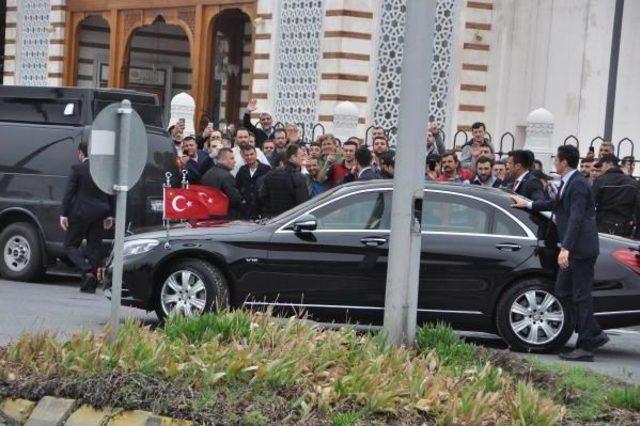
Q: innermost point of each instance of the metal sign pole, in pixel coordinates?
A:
(401, 298)
(121, 188)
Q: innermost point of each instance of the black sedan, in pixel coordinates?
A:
(484, 266)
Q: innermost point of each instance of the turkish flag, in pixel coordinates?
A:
(216, 201)
(195, 202)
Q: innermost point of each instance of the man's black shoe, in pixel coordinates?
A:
(89, 284)
(578, 355)
(600, 340)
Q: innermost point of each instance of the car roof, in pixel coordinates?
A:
(49, 92)
(493, 194)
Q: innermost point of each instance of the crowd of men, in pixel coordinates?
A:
(266, 170)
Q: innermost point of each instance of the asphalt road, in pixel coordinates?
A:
(58, 306)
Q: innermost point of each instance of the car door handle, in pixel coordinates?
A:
(508, 246)
(373, 241)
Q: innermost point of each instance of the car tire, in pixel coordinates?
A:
(191, 287)
(22, 256)
(531, 318)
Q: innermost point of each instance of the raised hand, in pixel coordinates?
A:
(252, 105)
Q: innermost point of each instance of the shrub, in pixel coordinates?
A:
(227, 326)
(451, 349)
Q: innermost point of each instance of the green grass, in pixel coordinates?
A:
(626, 397)
(587, 395)
(451, 349)
(206, 327)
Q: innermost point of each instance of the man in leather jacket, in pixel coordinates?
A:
(617, 198)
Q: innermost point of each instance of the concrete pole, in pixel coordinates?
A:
(401, 298)
(121, 190)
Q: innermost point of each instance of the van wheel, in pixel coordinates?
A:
(191, 287)
(531, 318)
(21, 252)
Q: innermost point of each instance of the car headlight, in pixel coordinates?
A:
(140, 246)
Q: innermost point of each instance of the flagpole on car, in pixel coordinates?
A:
(166, 222)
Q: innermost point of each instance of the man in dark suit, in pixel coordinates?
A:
(247, 181)
(363, 169)
(86, 210)
(219, 176)
(519, 165)
(575, 215)
(284, 187)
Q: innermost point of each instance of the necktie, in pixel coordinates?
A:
(559, 191)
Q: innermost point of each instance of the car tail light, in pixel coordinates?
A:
(629, 258)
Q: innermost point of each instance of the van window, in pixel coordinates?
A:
(37, 150)
(42, 111)
(150, 114)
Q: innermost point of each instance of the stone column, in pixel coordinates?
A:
(540, 136)
(345, 120)
(183, 106)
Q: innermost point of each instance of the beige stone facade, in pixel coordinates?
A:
(495, 60)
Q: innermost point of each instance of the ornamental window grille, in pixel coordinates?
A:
(300, 28)
(389, 63)
(33, 41)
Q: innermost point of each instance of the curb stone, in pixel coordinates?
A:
(16, 410)
(88, 416)
(51, 411)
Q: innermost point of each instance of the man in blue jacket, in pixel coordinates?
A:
(574, 212)
(198, 162)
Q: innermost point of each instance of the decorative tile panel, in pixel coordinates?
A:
(300, 31)
(442, 61)
(33, 42)
(389, 63)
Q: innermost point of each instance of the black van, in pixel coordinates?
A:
(40, 129)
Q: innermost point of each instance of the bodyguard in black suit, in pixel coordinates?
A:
(220, 177)
(247, 181)
(575, 216)
(86, 210)
(519, 165)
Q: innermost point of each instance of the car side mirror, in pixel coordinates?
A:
(305, 224)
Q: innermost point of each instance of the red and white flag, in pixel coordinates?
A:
(215, 200)
(195, 202)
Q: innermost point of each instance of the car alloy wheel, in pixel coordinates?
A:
(17, 253)
(183, 292)
(536, 317)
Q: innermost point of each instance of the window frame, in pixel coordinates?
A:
(288, 227)
(529, 234)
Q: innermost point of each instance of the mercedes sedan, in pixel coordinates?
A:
(484, 266)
